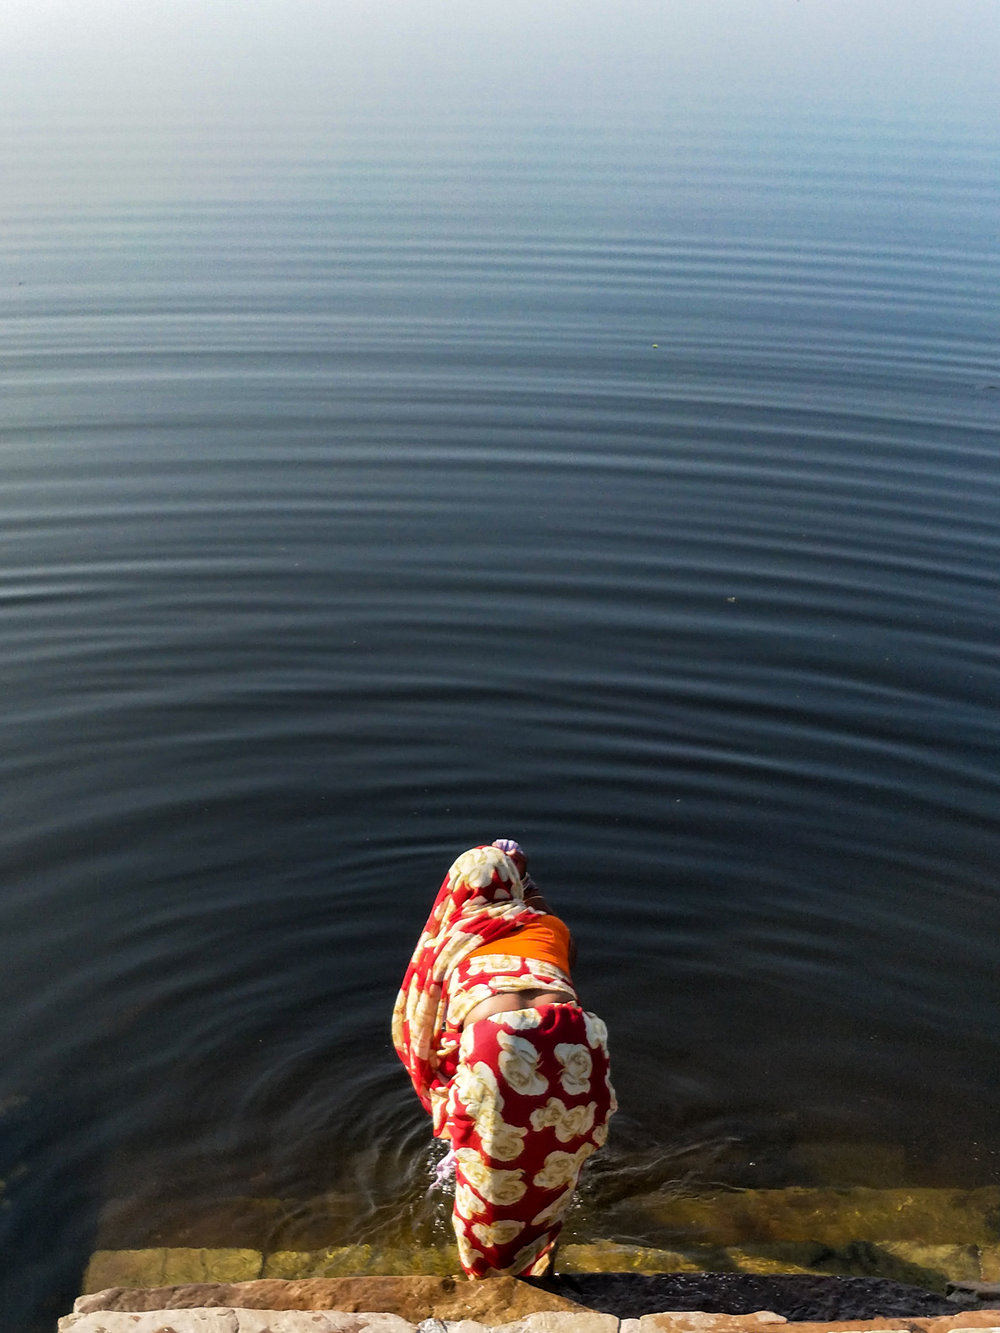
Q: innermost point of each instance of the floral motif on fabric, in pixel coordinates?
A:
(490, 1183)
(549, 1137)
(502, 1142)
(597, 1032)
(477, 1086)
(562, 1168)
(568, 1122)
(532, 1259)
(468, 1202)
(521, 1020)
(493, 962)
(554, 1211)
(519, 1065)
(495, 1234)
(577, 1066)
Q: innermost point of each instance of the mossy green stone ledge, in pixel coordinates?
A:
(835, 1218)
(932, 1267)
(170, 1267)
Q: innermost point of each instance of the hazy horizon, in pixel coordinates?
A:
(283, 59)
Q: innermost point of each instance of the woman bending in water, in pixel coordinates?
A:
(513, 1072)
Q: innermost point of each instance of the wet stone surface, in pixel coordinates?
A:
(796, 1297)
(625, 1295)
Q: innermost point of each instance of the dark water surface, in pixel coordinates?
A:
(629, 489)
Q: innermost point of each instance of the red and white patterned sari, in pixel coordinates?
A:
(523, 1096)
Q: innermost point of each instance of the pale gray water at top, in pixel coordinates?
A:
(621, 477)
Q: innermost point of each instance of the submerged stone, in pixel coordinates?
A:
(832, 1217)
(359, 1260)
(168, 1267)
(946, 1263)
(608, 1257)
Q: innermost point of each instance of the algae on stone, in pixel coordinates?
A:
(606, 1256)
(831, 1217)
(361, 1261)
(169, 1267)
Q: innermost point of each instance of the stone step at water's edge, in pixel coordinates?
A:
(929, 1266)
(240, 1320)
(265, 1321)
(932, 1267)
(439, 1297)
(593, 1303)
(332, 1321)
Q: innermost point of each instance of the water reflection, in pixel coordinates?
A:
(346, 527)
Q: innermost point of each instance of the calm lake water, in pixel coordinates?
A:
(629, 488)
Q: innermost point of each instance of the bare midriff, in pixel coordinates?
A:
(507, 1000)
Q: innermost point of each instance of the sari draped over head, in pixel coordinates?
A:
(480, 900)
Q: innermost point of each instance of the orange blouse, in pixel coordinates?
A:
(546, 939)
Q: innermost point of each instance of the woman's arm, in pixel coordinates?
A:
(532, 898)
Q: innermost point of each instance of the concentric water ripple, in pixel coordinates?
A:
(367, 502)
